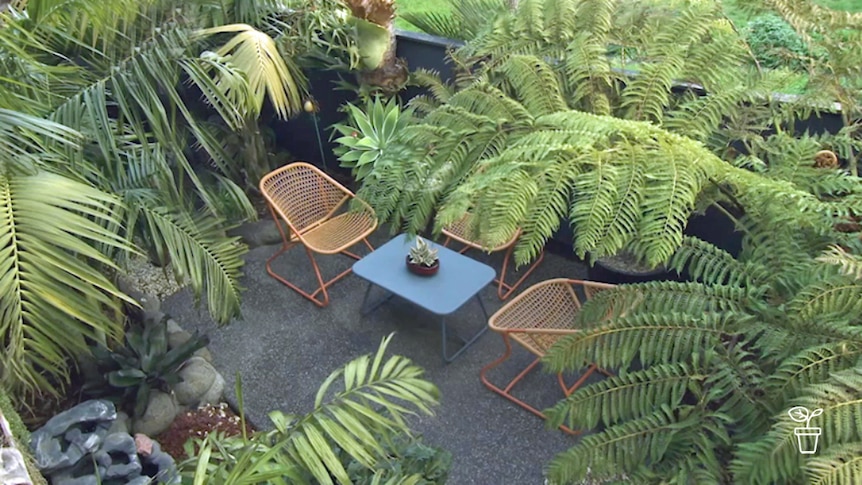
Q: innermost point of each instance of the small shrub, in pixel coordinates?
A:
(774, 42)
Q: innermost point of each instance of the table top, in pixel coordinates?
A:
(458, 279)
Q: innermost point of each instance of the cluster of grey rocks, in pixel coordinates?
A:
(90, 444)
(94, 444)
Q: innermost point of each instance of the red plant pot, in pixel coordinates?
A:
(422, 270)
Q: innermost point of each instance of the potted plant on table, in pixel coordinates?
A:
(422, 259)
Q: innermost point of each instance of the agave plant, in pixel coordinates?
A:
(130, 372)
(368, 133)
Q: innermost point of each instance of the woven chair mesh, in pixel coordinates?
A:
(460, 231)
(303, 195)
(548, 306)
(342, 231)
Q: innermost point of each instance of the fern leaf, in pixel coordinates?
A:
(623, 448)
(628, 396)
(812, 365)
(836, 465)
(670, 337)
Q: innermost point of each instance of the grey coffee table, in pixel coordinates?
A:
(458, 280)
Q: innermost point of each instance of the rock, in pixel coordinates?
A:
(205, 354)
(160, 466)
(173, 326)
(150, 303)
(258, 233)
(144, 444)
(175, 339)
(118, 456)
(84, 472)
(197, 377)
(142, 480)
(12, 468)
(215, 393)
(160, 413)
(153, 317)
(68, 436)
(120, 425)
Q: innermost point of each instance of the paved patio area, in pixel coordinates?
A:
(286, 346)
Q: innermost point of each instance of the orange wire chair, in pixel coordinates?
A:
(315, 209)
(536, 319)
(460, 230)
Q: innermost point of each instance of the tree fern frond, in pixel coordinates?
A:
(851, 265)
(776, 458)
(430, 80)
(663, 296)
(628, 396)
(830, 296)
(534, 84)
(670, 337)
(812, 365)
(713, 266)
(623, 448)
(836, 465)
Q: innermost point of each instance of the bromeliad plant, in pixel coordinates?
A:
(368, 133)
(129, 373)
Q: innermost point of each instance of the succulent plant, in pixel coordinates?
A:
(422, 253)
(129, 372)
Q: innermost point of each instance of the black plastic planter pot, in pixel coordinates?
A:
(606, 273)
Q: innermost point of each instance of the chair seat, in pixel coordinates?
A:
(339, 232)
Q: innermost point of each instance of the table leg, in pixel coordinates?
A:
(366, 309)
(467, 343)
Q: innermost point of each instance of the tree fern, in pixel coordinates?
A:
(628, 396)
(775, 457)
(811, 366)
(838, 465)
(649, 337)
(623, 448)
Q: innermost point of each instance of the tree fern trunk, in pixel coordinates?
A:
(391, 76)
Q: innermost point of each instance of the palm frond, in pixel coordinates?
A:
(376, 397)
(202, 256)
(269, 75)
(50, 226)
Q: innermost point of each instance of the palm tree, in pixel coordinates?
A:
(103, 152)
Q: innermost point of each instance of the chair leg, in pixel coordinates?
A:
(505, 290)
(506, 392)
(321, 284)
(501, 283)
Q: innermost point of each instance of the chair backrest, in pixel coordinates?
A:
(303, 194)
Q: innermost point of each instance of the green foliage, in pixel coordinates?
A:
(353, 433)
(462, 20)
(404, 457)
(103, 144)
(706, 371)
(368, 133)
(131, 371)
(774, 43)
